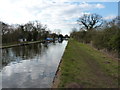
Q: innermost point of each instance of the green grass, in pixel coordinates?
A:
(86, 67)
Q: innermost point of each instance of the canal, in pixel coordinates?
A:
(31, 66)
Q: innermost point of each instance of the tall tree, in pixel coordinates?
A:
(90, 21)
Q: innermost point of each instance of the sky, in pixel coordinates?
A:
(56, 14)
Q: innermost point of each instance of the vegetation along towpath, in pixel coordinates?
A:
(84, 67)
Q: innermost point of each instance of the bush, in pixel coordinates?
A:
(108, 38)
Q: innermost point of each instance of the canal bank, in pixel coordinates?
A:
(84, 67)
(21, 44)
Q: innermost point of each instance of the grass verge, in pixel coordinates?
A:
(84, 67)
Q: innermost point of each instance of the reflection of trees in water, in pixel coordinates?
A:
(0, 59)
(27, 51)
(46, 46)
(7, 56)
(60, 41)
(19, 53)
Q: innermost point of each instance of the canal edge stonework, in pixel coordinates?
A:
(56, 79)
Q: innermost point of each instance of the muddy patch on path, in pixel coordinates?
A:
(73, 85)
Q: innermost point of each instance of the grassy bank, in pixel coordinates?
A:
(84, 67)
(19, 44)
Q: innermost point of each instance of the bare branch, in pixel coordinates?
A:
(90, 21)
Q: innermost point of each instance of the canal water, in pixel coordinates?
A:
(31, 66)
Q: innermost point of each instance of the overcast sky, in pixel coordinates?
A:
(57, 14)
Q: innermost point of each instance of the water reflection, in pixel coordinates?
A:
(20, 53)
(31, 66)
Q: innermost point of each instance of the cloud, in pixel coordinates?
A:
(99, 6)
(110, 17)
(57, 14)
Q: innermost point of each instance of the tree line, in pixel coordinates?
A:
(31, 31)
(99, 33)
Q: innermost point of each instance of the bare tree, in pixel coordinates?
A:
(90, 21)
(4, 27)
